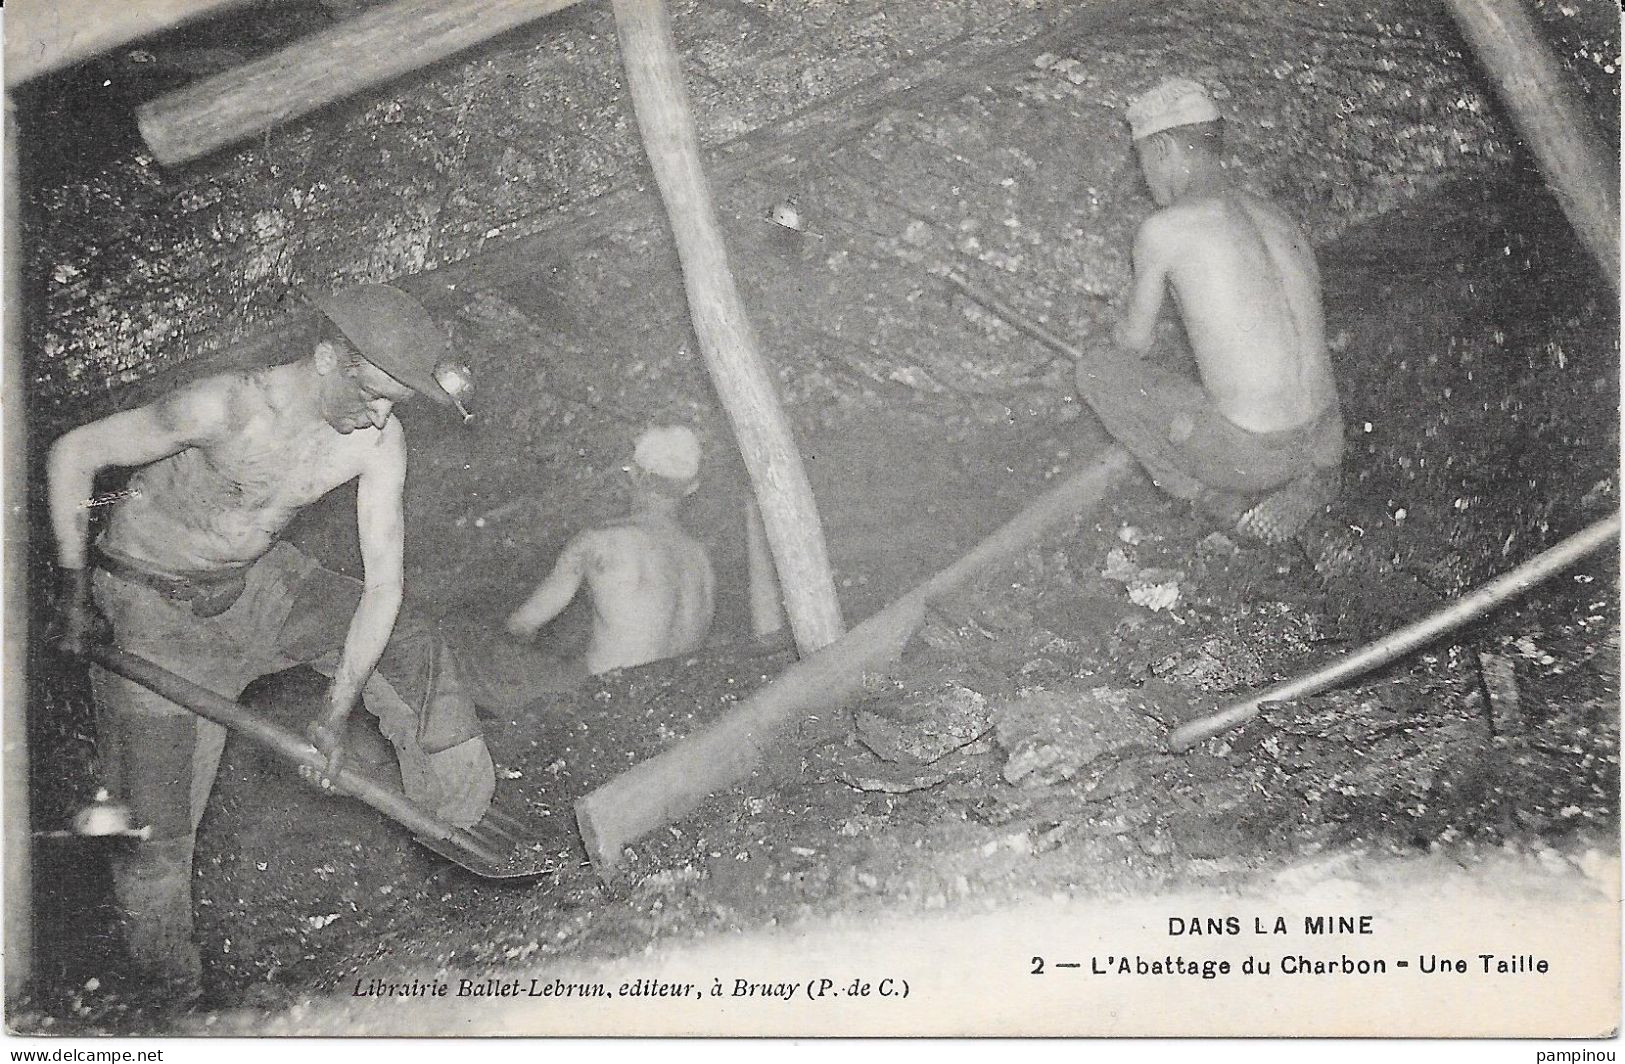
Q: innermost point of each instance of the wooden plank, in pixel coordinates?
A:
(45, 35)
(669, 785)
(356, 54)
(18, 878)
(766, 602)
(1547, 111)
(727, 340)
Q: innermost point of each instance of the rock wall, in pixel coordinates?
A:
(140, 266)
(1343, 109)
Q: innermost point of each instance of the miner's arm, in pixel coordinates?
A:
(189, 417)
(1136, 330)
(555, 592)
(380, 524)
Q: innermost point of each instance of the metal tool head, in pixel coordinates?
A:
(503, 845)
(785, 214)
(103, 817)
(458, 382)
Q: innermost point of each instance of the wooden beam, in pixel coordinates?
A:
(766, 601)
(18, 878)
(324, 68)
(45, 35)
(728, 342)
(1547, 110)
(672, 783)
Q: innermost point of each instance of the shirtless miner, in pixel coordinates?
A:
(190, 574)
(1259, 443)
(651, 582)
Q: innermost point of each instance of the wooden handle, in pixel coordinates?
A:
(1399, 643)
(223, 711)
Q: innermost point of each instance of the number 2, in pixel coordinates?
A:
(1038, 966)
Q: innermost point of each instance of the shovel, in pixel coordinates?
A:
(500, 846)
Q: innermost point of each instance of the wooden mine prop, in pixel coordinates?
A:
(1546, 108)
(654, 76)
(46, 35)
(321, 69)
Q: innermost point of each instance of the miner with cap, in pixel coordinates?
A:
(651, 582)
(188, 572)
(1259, 441)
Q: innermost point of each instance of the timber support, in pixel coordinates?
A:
(727, 340)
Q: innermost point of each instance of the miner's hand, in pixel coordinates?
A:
(78, 625)
(1120, 334)
(326, 734)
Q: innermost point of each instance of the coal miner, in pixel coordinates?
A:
(1259, 442)
(651, 582)
(189, 572)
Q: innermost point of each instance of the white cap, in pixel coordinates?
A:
(669, 451)
(1176, 102)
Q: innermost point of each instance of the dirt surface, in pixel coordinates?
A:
(1014, 754)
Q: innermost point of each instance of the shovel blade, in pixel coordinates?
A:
(503, 845)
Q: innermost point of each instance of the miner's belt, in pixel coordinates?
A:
(209, 594)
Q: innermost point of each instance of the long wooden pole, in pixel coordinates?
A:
(1418, 633)
(1548, 113)
(672, 783)
(321, 69)
(766, 601)
(291, 748)
(655, 79)
(45, 35)
(19, 886)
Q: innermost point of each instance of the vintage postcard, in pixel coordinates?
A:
(812, 518)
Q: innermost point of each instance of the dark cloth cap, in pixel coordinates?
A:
(391, 330)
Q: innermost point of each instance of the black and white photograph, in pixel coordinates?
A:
(812, 519)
